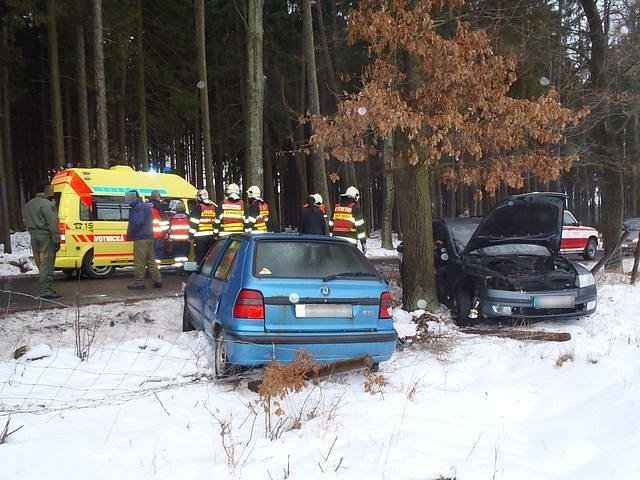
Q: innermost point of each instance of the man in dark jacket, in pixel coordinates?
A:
(41, 219)
(312, 218)
(140, 232)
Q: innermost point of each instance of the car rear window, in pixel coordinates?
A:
(308, 259)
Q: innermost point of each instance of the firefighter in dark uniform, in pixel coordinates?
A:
(230, 214)
(347, 219)
(257, 212)
(202, 226)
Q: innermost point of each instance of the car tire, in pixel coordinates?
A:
(462, 307)
(221, 366)
(187, 326)
(92, 271)
(590, 250)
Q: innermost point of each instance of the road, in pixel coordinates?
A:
(20, 293)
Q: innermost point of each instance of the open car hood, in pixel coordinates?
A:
(532, 218)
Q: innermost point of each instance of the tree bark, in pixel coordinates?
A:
(611, 183)
(204, 94)
(418, 279)
(5, 235)
(81, 77)
(15, 219)
(143, 160)
(255, 96)
(102, 132)
(387, 193)
(54, 79)
(333, 82)
(317, 156)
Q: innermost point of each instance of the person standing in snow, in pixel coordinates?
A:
(347, 221)
(203, 228)
(41, 218)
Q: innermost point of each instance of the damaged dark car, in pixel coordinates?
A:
(507, 266)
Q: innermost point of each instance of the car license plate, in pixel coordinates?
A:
(323, 310)
(554, 301)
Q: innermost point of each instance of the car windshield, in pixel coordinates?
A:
(310, 259)
(632, 224)
(462, 233)
(512, 249)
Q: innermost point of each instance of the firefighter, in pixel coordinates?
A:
(347, 220)
(159, 210)
(312, 220)
(41, 219)
(202, 225)
(230, 215)
(257, 211)
(179, 234)
(321, 205)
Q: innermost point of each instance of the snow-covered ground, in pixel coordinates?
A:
(20, 261)
(463, 406)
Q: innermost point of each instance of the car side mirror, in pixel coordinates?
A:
(400, 248)
(190, 267)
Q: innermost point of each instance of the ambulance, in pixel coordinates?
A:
(93, 214)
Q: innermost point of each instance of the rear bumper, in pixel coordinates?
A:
(522, 304)
(259, 349)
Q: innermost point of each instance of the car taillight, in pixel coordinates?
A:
(249, 304)
(63, 232)
(386, 304)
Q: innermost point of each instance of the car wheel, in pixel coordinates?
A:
(187, 326)
(462, 306)
(93, 271)
(221, 366)
(590, 250)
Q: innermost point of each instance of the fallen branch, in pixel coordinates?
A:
(5, 433)
(539, 335)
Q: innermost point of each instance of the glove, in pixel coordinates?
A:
(57, 247)
(364, 247)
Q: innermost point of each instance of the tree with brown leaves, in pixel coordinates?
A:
(436, 85)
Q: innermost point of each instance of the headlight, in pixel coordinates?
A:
(585, 280)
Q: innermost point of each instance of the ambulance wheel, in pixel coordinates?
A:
(71, 272)
(93, 271)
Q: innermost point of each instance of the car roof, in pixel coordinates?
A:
(286, 236)
(538, 194)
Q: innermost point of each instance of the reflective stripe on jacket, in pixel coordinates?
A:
(230, 217)
(160, 224)
(257, 216)
(203, 220)
(347, 222)
(179, 227)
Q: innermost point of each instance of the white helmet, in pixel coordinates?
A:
(203, 194)
(352, 192)
(317, 198)
(233, 190)
(253, 191)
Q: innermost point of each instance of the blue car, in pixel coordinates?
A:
(263, 297)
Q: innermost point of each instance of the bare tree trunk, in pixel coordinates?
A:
(5, 235)
(102, 132)
(15, 217)
(255, 95)
(387, 193)
(333, 82)
(142, 96)
(269, 188)
(81, 75)
(54, 79)
(317, 157)
(204, 94)
(122, 105)
(198, 153)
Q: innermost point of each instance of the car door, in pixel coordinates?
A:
(216, 286)
(572, 236)
(198, 282)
